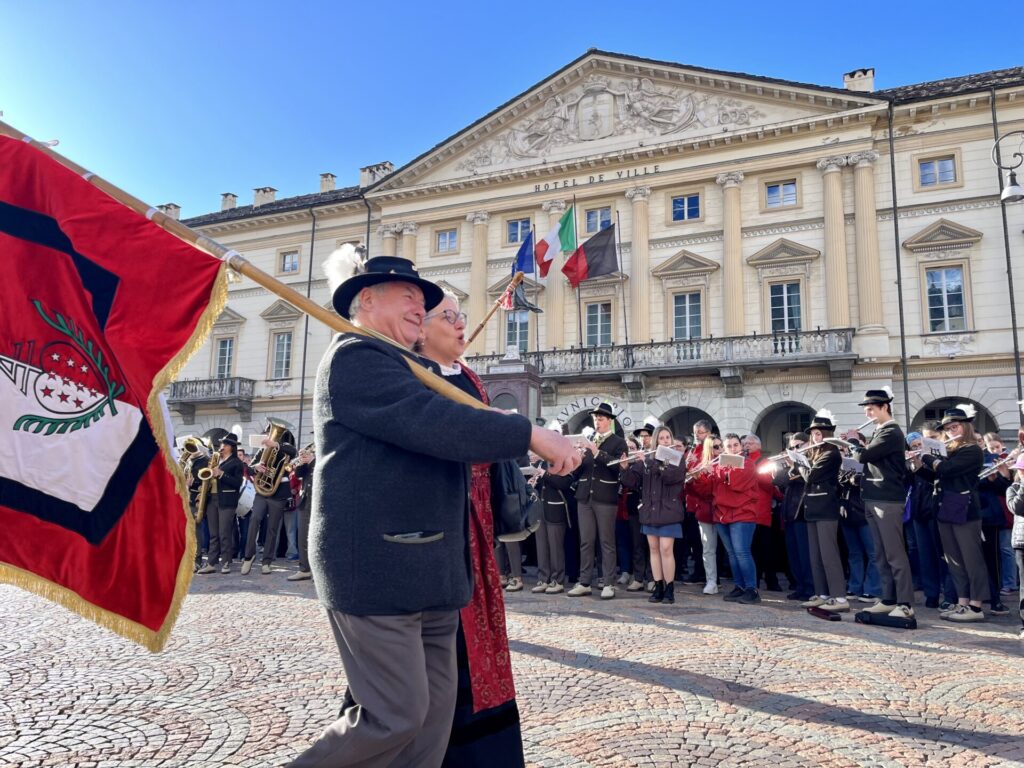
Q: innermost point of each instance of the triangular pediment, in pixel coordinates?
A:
(532, 286)
(614, 104)
(943, 235)
(228, 317)
(458, 293)
(280, 310)
(685, 264)
(782, 253)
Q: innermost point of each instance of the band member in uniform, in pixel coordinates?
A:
(884, 494)
(553, 491)
(640, 552)
(220, 509)
(597, 494)
(388, 541)
(821, 511)
(198, 461)
(273, 506)
(302, 468)
(959, 512)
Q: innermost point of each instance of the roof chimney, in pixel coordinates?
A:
(860, 80)
(327, 182)
(228, 200)
(371, 174)
(171, 209)
(263, 196)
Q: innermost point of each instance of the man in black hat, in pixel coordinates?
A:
(225, 484)
(884, 496)
(388, 542)
(597, 494)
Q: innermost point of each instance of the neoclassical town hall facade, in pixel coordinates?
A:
(758, 251)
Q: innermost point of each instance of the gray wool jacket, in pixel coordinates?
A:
(388, 525)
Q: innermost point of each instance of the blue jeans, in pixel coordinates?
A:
(737, 539)
(1007, 561)
(799, 557)
(864, 579)
(934, 573)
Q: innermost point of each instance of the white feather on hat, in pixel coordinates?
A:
(969, 410)
(825, 413)
(347, 261)
(1021, 404)
(651, 421)
(888, 390)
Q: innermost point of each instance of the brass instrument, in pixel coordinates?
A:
(299, 460)
(274, 462)
(191, 449)
(207, 484)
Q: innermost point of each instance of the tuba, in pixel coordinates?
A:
(191, 449)
(267, 480)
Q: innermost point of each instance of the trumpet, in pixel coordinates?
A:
(785, 454)
(304, 457)
(635, 455)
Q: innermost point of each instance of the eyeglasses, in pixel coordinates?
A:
(450, 316)
(717, 446)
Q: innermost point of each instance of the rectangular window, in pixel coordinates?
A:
(517, 329)
(225, 357)
(517, 230)
(598, 219)
(780, 194)
(946, 299)
(936, 171)
(447, 240)
(289, 262)
(686, 207)
(599, 325)
(785, 307)
(686, 311)
(282, 363)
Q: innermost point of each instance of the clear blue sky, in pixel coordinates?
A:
(180, 101)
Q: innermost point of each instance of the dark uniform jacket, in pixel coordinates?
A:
(595, 480)
(229, 483)
(388, 527)
(661, 502)
(554, 491)
(791, 484)
(956, 473)
(286, 452)
(821, 479)
(885, 465)
(194, 483)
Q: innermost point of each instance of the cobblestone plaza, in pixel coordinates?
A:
(251, 675)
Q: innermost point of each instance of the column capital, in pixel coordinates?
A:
(409, 227)
(553, 206)
(478, 217)
(730, 179)
(388, 230)
(867, 158)
(834, 163)
(638, 194)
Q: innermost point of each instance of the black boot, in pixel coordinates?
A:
(659, 592)
(670, 592)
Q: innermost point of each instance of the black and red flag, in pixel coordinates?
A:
(101, 307)
(593, 258)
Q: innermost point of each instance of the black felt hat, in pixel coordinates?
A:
(823, 421)
(230, 439)
(961, 412)
(604, 409)
(384, 269)
(876, 397)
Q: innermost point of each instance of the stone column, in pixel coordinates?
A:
(639, 293)
(409, 240)
(478, 303)
(734, 295)
(555, 289)
(869, 268)
(837, 291)
(389, 239)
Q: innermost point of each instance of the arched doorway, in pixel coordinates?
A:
(581, 420)
(777, 422)
(681, 420)
(983, 421)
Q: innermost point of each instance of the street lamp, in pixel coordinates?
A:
(1011, 193)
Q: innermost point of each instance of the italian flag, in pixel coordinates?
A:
(561, 238)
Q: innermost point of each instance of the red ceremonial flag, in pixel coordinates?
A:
(101, 308)
(506, 301)
(593, 258)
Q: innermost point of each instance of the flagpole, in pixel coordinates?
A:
(536, 321)
(618, 264)
(240, 264)
(579, 299)
(512, 285)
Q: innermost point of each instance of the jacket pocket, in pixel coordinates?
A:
(414, 537)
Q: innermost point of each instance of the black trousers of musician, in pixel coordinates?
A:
(303, 513)
(961, 545)
(550, 553)
(826, 565)
(993, 564)
(597, 519)
(767, 554)
(886, 521)
(273, 510)
(221, 521)
(640, 553)
(691, 548)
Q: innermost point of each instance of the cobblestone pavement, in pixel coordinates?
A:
(251, 675)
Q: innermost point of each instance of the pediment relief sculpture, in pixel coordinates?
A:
(783, 252)
(943, 235)
(685, 264)
(280, 310)
(227, 318)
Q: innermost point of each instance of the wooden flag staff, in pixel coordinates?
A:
(240, 264)
(513, 284)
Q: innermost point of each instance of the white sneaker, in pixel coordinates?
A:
(207, 569)
(635, 586)
(879, 607)
(711, 588)
(608, 593)
(579, 591)
(265, 569)
(514, 584)
(554, 588)
(226, 568)
(301, 576)
(246, 567)
(650, 586)
(541, 587)
(814, 602)
(902, 612)
(837, 605)
(963, 613)
(623, 579)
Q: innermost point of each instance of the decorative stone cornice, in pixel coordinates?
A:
(834, 163)
(638, 194)
(730, 179)
(862, 158)
(478, 217)
(553, 206)
(409, 227)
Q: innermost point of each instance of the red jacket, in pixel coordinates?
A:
(737, 495)
(699, 491)
(766, 487)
